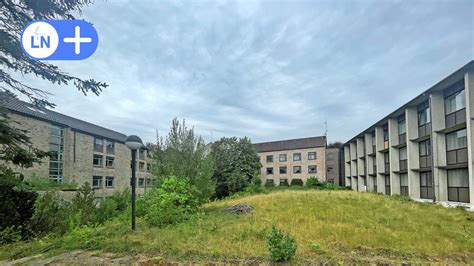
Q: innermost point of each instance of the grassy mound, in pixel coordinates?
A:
(329, 226)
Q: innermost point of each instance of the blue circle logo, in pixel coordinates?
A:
(59, 40)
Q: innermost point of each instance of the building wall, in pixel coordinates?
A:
(333, 172)
(78, 158)
(442, 162)
(304, 163)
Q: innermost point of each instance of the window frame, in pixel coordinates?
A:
(295, 167)
(269, 158)
(99, 156)
(109, 159)
(310, 153)
(315, 169)
(107, 179)
(97, 177)
(296, 154)
(285, 170)
(284, 156)
(267, 172)
(98, 147)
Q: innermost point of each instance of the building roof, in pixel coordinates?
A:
(448, 81)
(291, 144)
(17, 106)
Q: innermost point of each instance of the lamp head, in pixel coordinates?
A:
(133, 142)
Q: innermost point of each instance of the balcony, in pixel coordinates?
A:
(456, 118)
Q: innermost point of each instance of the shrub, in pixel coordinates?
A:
(296, 182)
(255, 186)
(173, 201)
(16, 204)
(83, 206)
(313, 182)
(9, 235)
(45, 184)
(51, 214)
(269, 183)
(282, 246)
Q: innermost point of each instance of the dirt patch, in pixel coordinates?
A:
(241, 208)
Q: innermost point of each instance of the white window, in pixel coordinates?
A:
(455, 102)
(456, 140)
(297, 156)
(109, 181)
(311, 155)
(96, 181)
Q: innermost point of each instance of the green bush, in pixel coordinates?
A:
(83, 206)
(255, 186)
(173, 201)
(51, 215)
(269, 183)
(45, 184)
(296, 182)
(113, 206)
(313, 182)
(9, 235)
(282, 246)
(16, 204)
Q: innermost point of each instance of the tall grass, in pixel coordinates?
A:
(329, 226)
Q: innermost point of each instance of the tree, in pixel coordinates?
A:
(236, 164)
(184, 155)
(14, 16)
(15, 146)
(336, 144)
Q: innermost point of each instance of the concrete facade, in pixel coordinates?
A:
(76, 163)
(423, 150)
(333, 171)
(287, 161)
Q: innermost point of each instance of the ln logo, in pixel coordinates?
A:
(59, 40)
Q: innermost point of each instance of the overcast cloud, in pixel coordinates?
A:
(267, 70)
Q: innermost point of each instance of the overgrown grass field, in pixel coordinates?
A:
(329, 226)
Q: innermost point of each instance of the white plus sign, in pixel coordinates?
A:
(77, 40)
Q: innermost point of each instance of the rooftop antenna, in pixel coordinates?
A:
(326, 131)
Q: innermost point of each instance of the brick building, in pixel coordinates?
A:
(81, 151)
(294, 160)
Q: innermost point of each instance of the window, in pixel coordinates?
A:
(456, 147)
(282, 158)
(97, 160)
(401, 125)
(148, 167)
(148, 182)
(284, 182)
(312, 169)
(387, 185)
(373, 142)
(456, 140)
(98, 145)
(109, 181)
(109, 162)
(141, 166)
(386, 160)
(402, 130)
(269, 158)
(110, 147)
(311, 155)
(96, 182)
(141, 182)
(458, 185)
(455, 102)
(403, 158)
(56, 156)
(404, 185)
(282, 170)
(425, 154)
(454, 105)
(296, 169)
(297, 156)
(141, 154)
(426, 185)
(269, 170)
(374, 181)
(385, 137)
(424, 116)
(269, 182)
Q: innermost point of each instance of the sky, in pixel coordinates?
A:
(269, 70)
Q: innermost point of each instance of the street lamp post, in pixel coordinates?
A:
(133, 143)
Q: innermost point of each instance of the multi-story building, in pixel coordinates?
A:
(424, 149)
(333, 165)
(292, 161)
(80, 151)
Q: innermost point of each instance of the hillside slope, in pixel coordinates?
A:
(329, 226)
